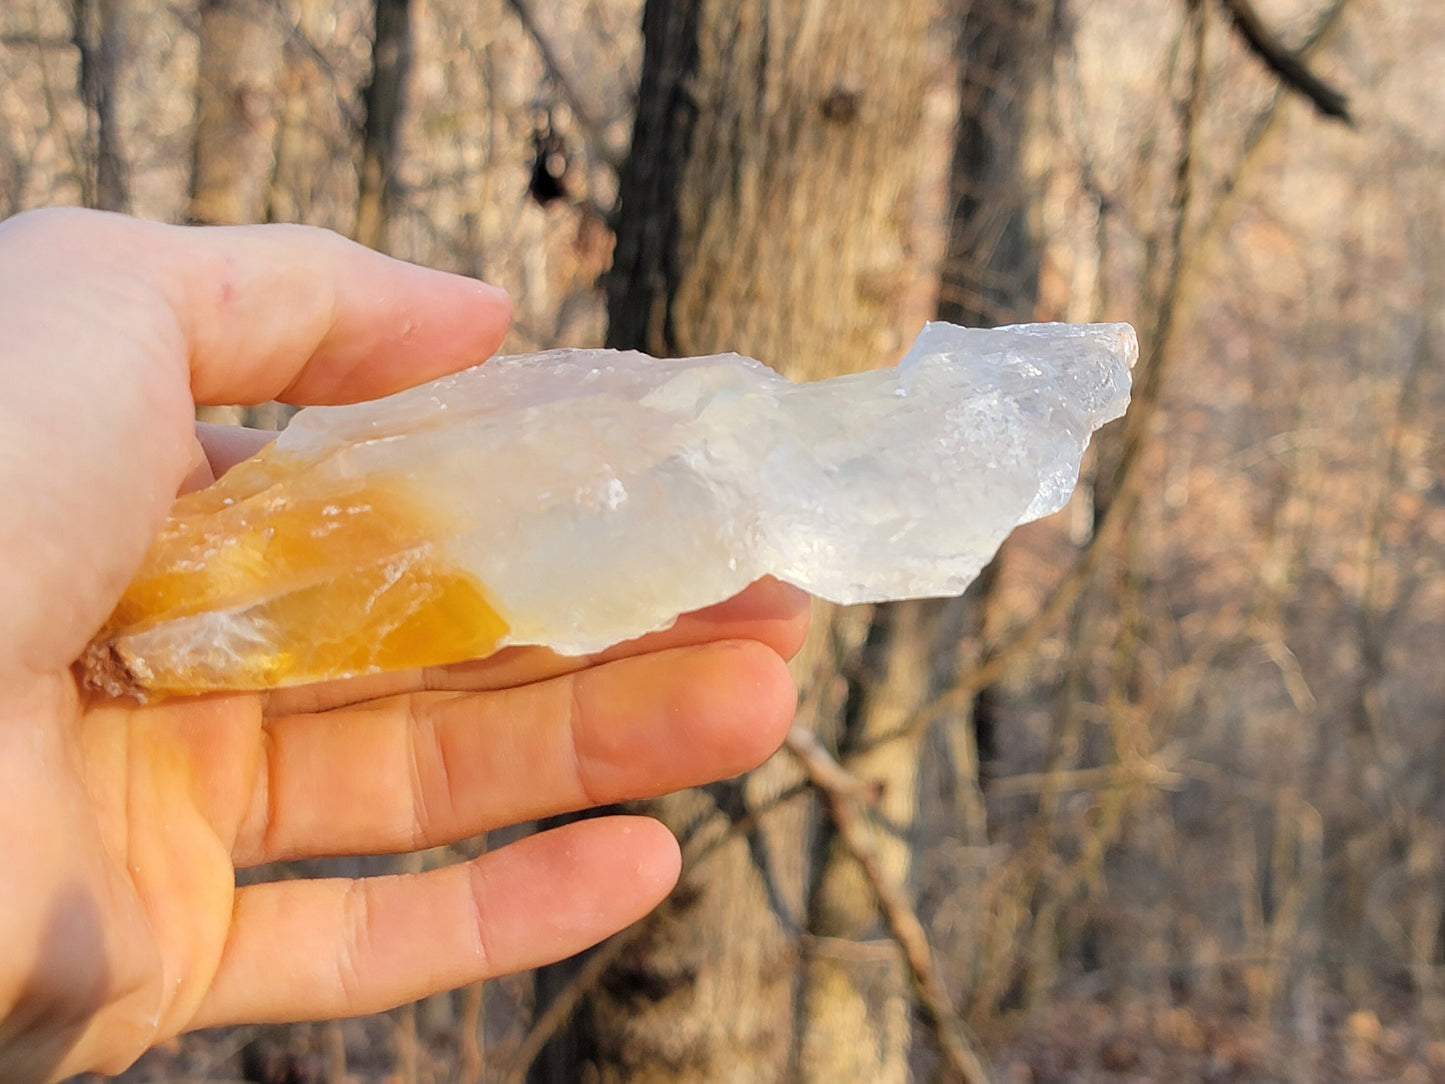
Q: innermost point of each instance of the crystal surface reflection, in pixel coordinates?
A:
(577, 498)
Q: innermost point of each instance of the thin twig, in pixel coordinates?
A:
(560, 1009)
(960, 694)
(1159, 770)
(35, 40)
(1264, 122)
(844, 792)
(1287, 65)
(591, 125)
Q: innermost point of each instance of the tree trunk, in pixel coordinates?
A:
(99, 33)
(385, 95)
(990, 277)
(857, 1019)
(239, 102)
(767, 207)
(990, 273)
(767, 202)
(237, 111)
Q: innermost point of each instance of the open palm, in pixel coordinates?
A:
(122, 826)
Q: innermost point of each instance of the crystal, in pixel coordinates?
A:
(577, 498)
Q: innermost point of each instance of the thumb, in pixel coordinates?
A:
(116, 328)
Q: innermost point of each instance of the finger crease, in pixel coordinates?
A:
(477, 886)
(270, 795)
(421, 730)
(576, 724)
(355, 942)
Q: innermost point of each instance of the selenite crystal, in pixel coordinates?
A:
(577, 498)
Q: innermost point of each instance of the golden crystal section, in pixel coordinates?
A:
(316, 584)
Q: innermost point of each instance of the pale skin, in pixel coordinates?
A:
(122, 826)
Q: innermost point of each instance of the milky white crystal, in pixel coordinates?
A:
(597, 494)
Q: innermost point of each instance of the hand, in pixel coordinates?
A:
(121, 827)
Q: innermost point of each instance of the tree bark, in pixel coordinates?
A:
(385, 97)
(768, 198)
(99, 33)
(990, 274)
(767, 207)
(239, 101)
(238, 107)
(857, 1019)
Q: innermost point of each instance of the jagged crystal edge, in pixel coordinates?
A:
(598, 494)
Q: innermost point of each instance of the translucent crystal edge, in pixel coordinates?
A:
(974, 432)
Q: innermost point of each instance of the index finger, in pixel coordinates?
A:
(306, 316)
(287, 312)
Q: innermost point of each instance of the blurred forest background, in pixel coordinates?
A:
(1164, 797)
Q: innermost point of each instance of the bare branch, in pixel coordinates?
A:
(844, 791)
(697, 847)
(1185, 254)
(1160, 770)
(35, 40)
(561, 1008)
(1264, 124)
(99, 36)
(1286, 64)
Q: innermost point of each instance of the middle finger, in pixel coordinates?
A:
(429, 768)
(769, 611)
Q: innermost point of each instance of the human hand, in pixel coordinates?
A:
(122, 826)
